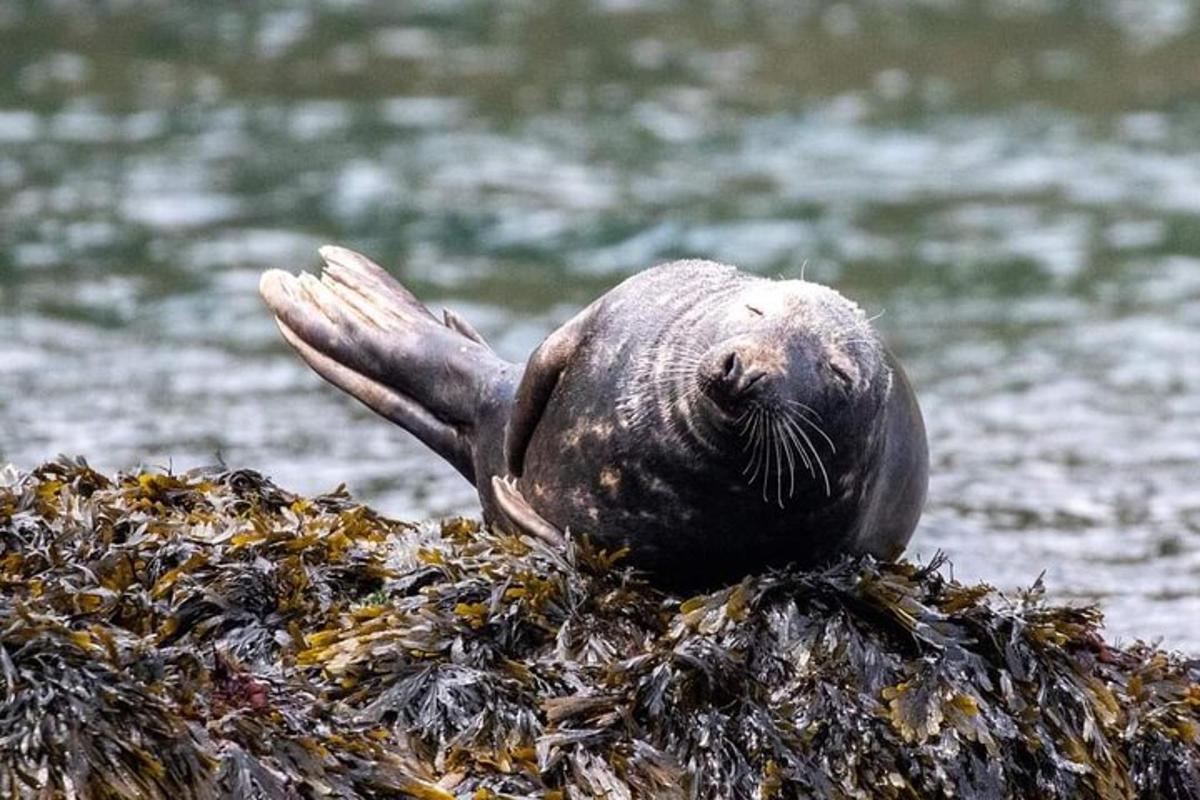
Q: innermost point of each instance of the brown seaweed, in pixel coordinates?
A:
(211, 635)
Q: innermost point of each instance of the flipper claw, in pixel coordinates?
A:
(518, 512)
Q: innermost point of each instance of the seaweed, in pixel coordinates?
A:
(211, 635)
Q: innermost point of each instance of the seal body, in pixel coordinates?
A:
(711, 422)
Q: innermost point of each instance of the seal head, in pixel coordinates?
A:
(790, 370)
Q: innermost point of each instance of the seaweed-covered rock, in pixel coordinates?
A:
(211, 635)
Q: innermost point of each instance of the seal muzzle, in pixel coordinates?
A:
(737, 372)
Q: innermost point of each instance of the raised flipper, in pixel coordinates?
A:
(448, 440)
(537, 384)
(518, 511)
(361, 330)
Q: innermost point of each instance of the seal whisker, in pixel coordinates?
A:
(766, 460)
(764, 452)
(752, 463)
(756, 434)
(820, 464)
(822, 434)
(790, 427)
(820, 431)
(747, 422)
(768, 454)
(765, 455)
(682, 367)
(803, 407)
(785, 438)
(749, 433)
(778, 461)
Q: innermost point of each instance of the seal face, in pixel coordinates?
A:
(712, 422)
(754, 376)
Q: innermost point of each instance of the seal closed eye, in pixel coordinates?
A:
(713, 422)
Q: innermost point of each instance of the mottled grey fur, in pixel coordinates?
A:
(635, 423)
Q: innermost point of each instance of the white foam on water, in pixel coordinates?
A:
(19, 126)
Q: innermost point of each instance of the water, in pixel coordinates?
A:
(1015, 184)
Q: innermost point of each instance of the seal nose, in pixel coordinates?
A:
(733, 376)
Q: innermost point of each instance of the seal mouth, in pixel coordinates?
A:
(730, 383)
(749, 384)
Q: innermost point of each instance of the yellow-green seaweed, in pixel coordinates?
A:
(211, 635)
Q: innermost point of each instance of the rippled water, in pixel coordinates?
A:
(1016, 184)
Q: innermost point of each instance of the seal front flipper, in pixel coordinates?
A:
(537, 384)
(521, 515)
(365, 333)
(384, 401)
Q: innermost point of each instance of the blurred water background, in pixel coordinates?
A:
(1015, 182)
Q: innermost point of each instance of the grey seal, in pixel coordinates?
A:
(712, 422)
